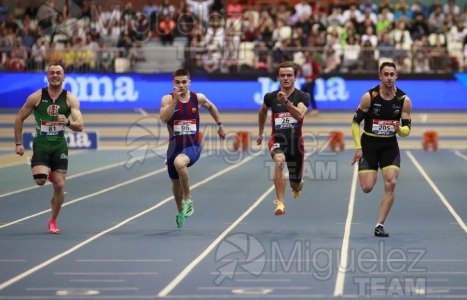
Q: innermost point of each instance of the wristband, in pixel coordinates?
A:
(219, 124)
(19, 144)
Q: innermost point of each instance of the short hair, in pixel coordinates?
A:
(55, 65)
(181, 72)
(288, 64)
(387, 64)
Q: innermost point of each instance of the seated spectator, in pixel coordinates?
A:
(351, 56)
(368, 59)
(386, 47)
(263, 57)
(421, 54)
(266, 27)
(52, 55)
(167, 28)
(229, 61)
(211, 60)
(332, 61)
(105, 59)
(37, 59)
(18, 56)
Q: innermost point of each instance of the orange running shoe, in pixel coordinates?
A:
(297, 194)
(280, 208)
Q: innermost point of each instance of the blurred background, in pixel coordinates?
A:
(119, 55)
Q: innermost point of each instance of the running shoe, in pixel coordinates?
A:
(280, 208)
(188, 207)
(379, 231)
(180, 219)
(53, 228)
(297, 194)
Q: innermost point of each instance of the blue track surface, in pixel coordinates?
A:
(119, 240)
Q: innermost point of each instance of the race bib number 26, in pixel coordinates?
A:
(284, 121)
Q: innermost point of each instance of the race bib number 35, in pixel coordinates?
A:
(284, 121)
(52, 128)
(184, 127)
(383, 127)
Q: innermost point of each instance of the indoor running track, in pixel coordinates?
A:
(119, 240)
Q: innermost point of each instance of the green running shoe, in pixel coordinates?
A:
(188, 208)
(180, 219)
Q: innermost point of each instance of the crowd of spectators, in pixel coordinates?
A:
(234, 36)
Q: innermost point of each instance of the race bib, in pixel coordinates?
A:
(383, 127)
(52, 128)
(184, 127)
(284, 121)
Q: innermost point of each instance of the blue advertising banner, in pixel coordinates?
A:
(75, 140)
(130, 91)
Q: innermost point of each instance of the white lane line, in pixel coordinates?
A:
(165, 291)
(458, 153)
(438, 192)
(87, 196)
(102, 233)
(107, 167)
(339, 287)
(123, 260)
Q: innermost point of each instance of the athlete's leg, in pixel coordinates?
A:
(178, 193)
(390, 177)
(58, 196)
(40, 173)
(279, 179)
(181, 163)
(367, 180)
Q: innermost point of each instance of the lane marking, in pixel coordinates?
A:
(438, 192)
(458, 153)
(339, 287)
(165, 291)
(124, 222)
(107, 167)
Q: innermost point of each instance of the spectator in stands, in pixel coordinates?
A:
(451, 8)
(419, 28)
(368, 60)
(167, 27)
(310, 70)
(151, 10)
(215, 32)
(386, 4)
(52, 55)
(167, 8)
(434, 5)
(351, 54)
(351, 14)
(332, 61)
(37, 58)
(282, 12)
(386, 47)
(303, 9)
(368, 4)
(229, 61)
(3, 12)
(438, 52)
(263, 58)
(402, 11)
(18, 56)
(385, 19)
(211, 60)
(266, 28)
(105, 59)
(419, 7)
(421, 55)
(435, 20)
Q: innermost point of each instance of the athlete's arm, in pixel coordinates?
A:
(214, 112)
(76, 123)
(403, 129)
(359, 115)
(262, 115)
(22, 115)
(167, 108)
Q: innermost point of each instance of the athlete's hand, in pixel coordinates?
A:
(357, 156)
(19, 150)
(281, 96)
(221, 132)
(176, 93)
(397, 126)
(62, 119)
(259, 139)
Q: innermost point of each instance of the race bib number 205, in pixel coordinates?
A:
(383, 127)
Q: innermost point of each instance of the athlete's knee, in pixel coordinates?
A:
(390, 184)
(366, 188)
(40, 179)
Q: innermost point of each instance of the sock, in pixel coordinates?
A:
(379, 224)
